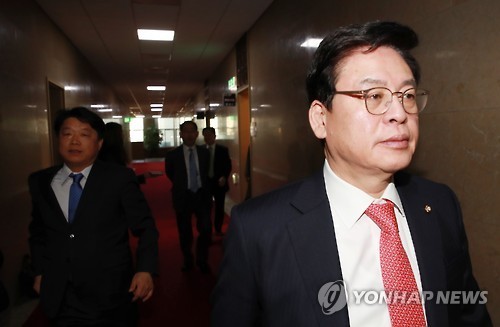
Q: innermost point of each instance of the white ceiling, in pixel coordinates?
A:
(105, 32)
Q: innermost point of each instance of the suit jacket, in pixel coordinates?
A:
(94, 251)
(175, 169)
(222, 165)
(281, 249)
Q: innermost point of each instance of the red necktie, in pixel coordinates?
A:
(405, 307)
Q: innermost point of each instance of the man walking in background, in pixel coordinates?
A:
(187, 166)
(218, 173)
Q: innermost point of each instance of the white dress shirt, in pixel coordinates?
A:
(358, 242)
(61, 183)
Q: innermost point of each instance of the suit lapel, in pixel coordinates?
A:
(48, 193)
(92, 186)
(203, 158)
(314, 243)
(182, 163)
(424, 229)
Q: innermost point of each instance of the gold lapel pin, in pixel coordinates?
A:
(427, 208)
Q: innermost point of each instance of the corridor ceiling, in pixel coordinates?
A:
(105, 32)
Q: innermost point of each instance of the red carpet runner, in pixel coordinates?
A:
(180, 299)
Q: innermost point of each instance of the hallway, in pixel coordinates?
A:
(240, 67)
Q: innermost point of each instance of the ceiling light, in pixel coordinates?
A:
(98, 106)
(117, 116)
(105, 110)
(156, 105)
(311, 43)
(214, 105)
(155, 35)
(156, 88)
(156, 109)
(156, 116)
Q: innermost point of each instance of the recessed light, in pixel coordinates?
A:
(156, 88)
(311, 43)
(155, 35)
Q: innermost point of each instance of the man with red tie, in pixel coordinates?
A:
(359, 225)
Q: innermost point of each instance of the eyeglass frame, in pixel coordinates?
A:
(362, 94)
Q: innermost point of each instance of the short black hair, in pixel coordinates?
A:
(188, 122)
(208, 129)
(84, 115)
(324, 70)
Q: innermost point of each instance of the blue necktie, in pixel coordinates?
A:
(75, 192)
(193, 173)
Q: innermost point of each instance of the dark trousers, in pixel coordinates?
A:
(199, 205)
(219, 195)
(75, 313)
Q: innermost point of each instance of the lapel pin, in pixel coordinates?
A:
(427, 208)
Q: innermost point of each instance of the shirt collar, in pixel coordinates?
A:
(65, 172)
(349, 202)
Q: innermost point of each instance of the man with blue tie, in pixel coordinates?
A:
(187, 168)
(82, 212)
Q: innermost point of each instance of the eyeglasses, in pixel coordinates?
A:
(379, 99)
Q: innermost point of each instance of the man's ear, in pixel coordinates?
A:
(317, 116)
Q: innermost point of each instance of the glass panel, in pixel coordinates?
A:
(136, 136)
(136, 130)
(166, 123)
(168, 138)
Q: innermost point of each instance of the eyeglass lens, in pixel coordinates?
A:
(378, 100)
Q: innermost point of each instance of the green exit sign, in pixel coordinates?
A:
(231, 84)
(126, 120)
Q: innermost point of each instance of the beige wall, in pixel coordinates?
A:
(460, 60)
(32, 51)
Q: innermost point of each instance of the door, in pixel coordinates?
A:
(243, 105)
(55, 104)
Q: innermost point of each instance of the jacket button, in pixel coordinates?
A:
(71, 235)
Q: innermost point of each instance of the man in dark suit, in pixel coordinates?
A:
(359, 225)
(218, 173)
(79, 233)
(187, 166)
